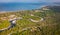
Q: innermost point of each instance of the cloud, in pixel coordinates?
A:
(31, 1)
(52, 0)
(21, 0)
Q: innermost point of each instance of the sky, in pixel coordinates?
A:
(28, 1)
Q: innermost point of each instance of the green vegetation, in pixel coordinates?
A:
(4, 24)
(50, 25)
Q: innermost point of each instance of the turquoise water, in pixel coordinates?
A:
(20, 6)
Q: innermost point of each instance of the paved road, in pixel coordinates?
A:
(37, 20)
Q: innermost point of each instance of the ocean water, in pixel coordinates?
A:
(20, 6)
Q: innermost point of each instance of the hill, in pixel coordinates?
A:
(44, 21)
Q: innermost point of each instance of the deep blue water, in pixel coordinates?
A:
(20, 6)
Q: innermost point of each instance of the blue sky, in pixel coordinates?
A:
(28, 1)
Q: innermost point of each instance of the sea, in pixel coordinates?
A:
(20, 6)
